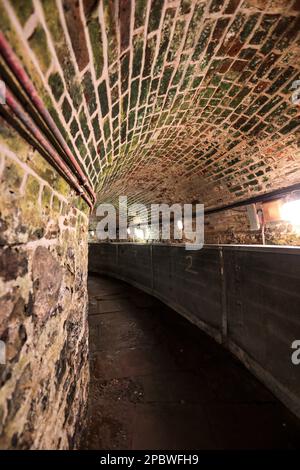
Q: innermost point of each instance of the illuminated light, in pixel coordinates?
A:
(139, 233)
(128, 231)
(179, 224)
(290, 211)
(92, 233)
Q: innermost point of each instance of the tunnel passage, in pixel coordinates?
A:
(158, 382)
(161, 101)
(245, 297)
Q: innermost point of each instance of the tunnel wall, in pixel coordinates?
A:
(243, 296)
(43, 318)
(233, 227)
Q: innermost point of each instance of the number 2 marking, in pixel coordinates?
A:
(190, 265)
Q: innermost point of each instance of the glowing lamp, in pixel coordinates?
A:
(290, 211)
(139, 233)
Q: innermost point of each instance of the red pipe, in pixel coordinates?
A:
(15, 65)
(34, 130)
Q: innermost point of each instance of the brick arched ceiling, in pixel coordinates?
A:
(177, 100)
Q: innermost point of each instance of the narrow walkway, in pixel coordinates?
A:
(158, 382)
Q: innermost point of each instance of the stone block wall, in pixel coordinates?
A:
(43, 299)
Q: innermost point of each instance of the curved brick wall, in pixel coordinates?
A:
(169, 100)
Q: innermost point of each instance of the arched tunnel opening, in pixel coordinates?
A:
(149, 225)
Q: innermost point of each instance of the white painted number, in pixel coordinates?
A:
(190, 265)
(296, 354)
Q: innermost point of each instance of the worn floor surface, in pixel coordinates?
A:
(158, 382)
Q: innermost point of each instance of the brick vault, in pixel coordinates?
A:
(168, 100)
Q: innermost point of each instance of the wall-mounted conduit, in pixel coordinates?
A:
(64, 161)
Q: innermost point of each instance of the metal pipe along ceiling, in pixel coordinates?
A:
(20, 74)
(16, 108)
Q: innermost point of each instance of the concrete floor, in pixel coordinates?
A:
(158, 382)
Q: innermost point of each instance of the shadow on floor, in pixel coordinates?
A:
(158, 382)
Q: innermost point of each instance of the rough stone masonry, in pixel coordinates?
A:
(43, 268)
(159, 100)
